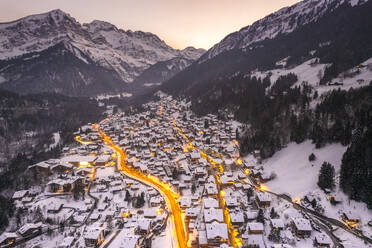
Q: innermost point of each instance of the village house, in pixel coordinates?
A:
(94, 237)
(277, 224)
(19, 195)
(322, 240)
(30, 229)
(41, 168)
(255, 228)
(216, 233)
(302, 227)
(263, 199)
(8, 238)
(210, 203)
(213, 214)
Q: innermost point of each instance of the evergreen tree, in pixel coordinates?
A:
(312, 157)
(326, 176)
(274, 235)
(127, 196)
(249, 193)
(260, 216)
(273, 214)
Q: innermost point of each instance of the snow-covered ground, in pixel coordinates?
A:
(57, 138)
(312, 72)
(296, 175)
(308, 72)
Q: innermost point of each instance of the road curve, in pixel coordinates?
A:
(171, 198)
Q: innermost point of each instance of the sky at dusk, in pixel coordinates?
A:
(198, 23)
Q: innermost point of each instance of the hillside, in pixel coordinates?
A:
(339, 38)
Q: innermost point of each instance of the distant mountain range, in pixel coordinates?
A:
(53, 52)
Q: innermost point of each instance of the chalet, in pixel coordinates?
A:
(94, 217)
(251, 215)
(213, 214)
(54, 207)
(41, 168)
(185, 202)
(237, 218)
(253, 241)
(19, 195)
(216, 233)
(8, 238)
(85, 171)
(150, 213)
(30, 229)
(255, 228)
(211, 189)
(156, 201)
(226, 180)
(301, 227)
(102, 160)
(277, 224)
(263, 199)
(142, 226)
(78, 160)
(60, 185)
(61, 168)
(191, 213)
(210, 203)
(94, 237)
(231, 202)
(350, 217)
(322, 240)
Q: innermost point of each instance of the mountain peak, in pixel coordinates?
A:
(283, 21)
(98, 25)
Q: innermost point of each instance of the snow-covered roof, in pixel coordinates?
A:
(263, 197)
(216, 230)
(29, 226)
(213, 214)
(277, 223)
(322, 238)
(92, 233)
(20, 194)
(7, 235)
(255, 226)
(210, 203)
(302, 224)
(255, 240)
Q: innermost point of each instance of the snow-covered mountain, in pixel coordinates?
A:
(284, 21)
(126, 53)
(334, 32)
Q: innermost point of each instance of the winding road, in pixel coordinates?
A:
(170, 197)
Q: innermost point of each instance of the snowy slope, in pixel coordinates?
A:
(128, 53)
(297, 177)
(284, 21)
(295, 174)
(311, 72)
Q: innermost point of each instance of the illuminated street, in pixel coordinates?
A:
(170, 196)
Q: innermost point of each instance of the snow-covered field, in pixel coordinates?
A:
(296, 175)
